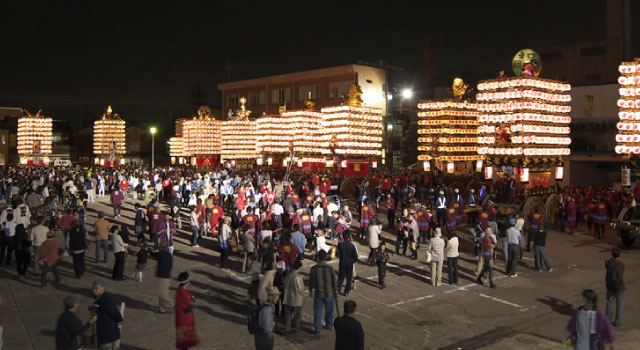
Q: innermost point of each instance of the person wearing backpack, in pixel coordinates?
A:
(615, 286)
(264, 339)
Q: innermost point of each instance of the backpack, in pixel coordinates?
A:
(612, 279)
(253, 319)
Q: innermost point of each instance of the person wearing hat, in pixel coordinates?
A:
(516, 244)
(69, 328)
(48, 259)
(186, 335)
(108, 318)
(264, 339)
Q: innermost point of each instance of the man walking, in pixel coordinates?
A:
(515, 242)
(69, 328)
(349, 332)
(615, 286)
(109, 318)
(38, 236)
(322, 287)
(348, 257)
(163, 274)
(264, 339)
(116, 199)
(293, 294)
(539, 254)
(102, 237)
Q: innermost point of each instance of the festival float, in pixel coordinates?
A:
(238, 135)
(628, 146)
(35, 137)
(109, 139)
(523, 131)
(201, 140)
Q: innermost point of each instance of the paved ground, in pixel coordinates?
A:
(526, 312)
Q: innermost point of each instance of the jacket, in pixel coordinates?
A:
(349, 333)
(293, 290)
(69, 328)
(49, 252)
(451, 250)
(374, 236)
(165, 263)
(102, 229)
(108, 318)
(77, 238)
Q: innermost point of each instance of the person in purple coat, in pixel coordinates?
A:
(589, 327)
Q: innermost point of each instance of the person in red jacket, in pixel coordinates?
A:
(201, 211)
(366, 214)
(307, 226)
(116, 199)
(124, 187)
(295, 218)
(601, 218)
(535, 223)
(391, 211)
(452, 224)
(423, 218)
(325, 185)
(571, 215)
(217, 213)
(251, 220)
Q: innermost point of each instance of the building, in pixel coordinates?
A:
(8, 136)
(326, 87)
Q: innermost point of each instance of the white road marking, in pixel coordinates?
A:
(499, 300)
(413, 300)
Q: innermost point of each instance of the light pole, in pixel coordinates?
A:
(153, 130)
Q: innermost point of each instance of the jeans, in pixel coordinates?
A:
(78, 263)
(505, 249)
(487, 266)
(45, 268)
(619, 298)
(164, 301)
(195, 230)
(117, 209)
(6, 245)
(452, 267)
(23, 257)
(118, 266)
(540, 257)
(292, 312)
(382, 272)
(224, 256)
(110, 346)
(105, 244)
(318, 304)
(514, 255)
(246, 256)
(345, 271)
(263, 342)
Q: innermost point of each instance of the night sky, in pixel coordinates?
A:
(73, 57)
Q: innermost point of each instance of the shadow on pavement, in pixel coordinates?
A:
(559, 306)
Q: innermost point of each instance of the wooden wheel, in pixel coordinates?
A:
(529, 204)
(550, 210)
(625, 236)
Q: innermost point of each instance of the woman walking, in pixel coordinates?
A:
(589, 327)
(186, 335)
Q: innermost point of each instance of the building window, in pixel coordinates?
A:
(309, 91)
(281, 95)
(232, 101)
(592, 51)
(252, 99)
(339, 89)
(262, 97)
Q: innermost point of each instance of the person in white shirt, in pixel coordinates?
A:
(22, 215)
(38, 235)
(6, 244)
(375, 229)
(195, 227)
(452, 254)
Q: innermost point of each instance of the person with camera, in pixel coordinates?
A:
(69, 328)
(108, 318)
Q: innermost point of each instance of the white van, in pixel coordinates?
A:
(62, 162)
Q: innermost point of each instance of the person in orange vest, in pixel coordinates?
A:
(591, 215)
(452, 224)
(251, 220)
(296, 200)
(535, 221)
(571, 215)
(601, 218)
(366, 214)
(423, 218)
(391, 211)
(217, 213)
(325, 185)
(307, 226)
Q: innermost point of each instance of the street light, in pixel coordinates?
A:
(407, 94)
(153, 130)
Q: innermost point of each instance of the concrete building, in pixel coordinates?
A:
(327, 87)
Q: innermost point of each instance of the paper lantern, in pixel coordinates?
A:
(524, 175)
(559, 173)
(629, 103)
(374, 164)
(269, 161)
(450, 167)
(488, 172)
(426, 165)
(329, 163)
(343, 163)
(259, 161)
(479, 165)
(299, 163)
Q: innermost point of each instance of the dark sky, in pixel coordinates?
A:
(75, 56)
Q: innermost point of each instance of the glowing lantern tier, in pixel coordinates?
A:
(448, 131)
(628, 136)
(109, 137)
(176, 147)
(354, 131)
(239, 139)
(35, 136)
(201, 137)
(523, 117)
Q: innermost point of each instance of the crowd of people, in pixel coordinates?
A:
(274, 225)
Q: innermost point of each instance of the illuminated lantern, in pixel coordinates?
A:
(450, 167)
(559, 173)
(479, 165)
(285, 163)
(96, 161)
(374, 164)
(35, 137)
(269, 161)
(488, 172)
(328, 163)
(109, 136)
(626, 140)
(201, 136)
(259, 161)
(238, 139)
(524, 175)
(426, 165)
(173, 160)
(299, 164)
(343, 163)
(233, 163)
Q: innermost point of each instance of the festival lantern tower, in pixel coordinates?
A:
(239, 138)
(176, 147)
(109, 139)
(272, 144)
(354, 132)
(308, 142)
(201, 138)
(35, 137)
(628, 136)
(524, 126)
(448, 133)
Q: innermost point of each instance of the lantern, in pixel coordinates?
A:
(374, 164)
(524, 175)
(285, 163)
(426, 165)
(259, 161)
(559, 173)
(479, 165)
(328, 163)
(488, 172)
(299, 164)
(173, 160)
(343, 163)
(451, 167)
(269, 161)
(233, 163)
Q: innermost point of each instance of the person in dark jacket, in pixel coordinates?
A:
(349, 332)
(140, 224)
(77, 246)
(348, 257)
(69, 328)
(109, 318)
(21, 244)
(163, 273)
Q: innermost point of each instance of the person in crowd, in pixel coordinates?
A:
(452, 254)
(248, 249)
(78, 245)
(374, 232)
(615, 284)
(48, 259)
(589, 327)
(140, 222)
(382, 258)
(349, 331)
(515, 244)
(163, 275)
(119, 250)
(348, 257)
(489, 242)
(38, 235)
(109, 318)
(69, 327)
(539, 254)
(102, 237)
(224, 242)
(264, 338)
(436, 249)
(21, 244)
(116, 200)
(293, 295)
(186, 335)
(141, 261)
(324, 290)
